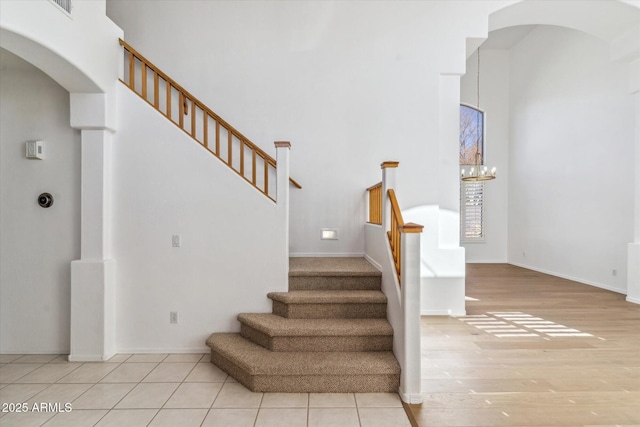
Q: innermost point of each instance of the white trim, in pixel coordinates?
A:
(180, 350)
(373, 262)
(89, 358)
(441, 313)
(412, 399)
(633, 300)
(574, 279)
(36, 351)
(326, 254)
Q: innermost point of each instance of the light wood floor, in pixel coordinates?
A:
(477, 371)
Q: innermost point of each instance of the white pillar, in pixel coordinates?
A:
(448, 147)
(410, 379)
(633, 250)
(388, 182)
(283, 149)
(93, 276)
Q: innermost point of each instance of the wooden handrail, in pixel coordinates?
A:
(375, 203)
(189, 105)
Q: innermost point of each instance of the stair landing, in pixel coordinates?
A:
(331, 266)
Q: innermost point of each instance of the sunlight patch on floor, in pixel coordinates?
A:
(504, 324)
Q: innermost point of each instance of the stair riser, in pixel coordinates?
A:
(334, 283)
(318, 343)
(330, 311)
(326, 384)
(387, 383)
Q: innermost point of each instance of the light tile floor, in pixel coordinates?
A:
(178, 390)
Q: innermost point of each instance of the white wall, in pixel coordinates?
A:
(37, 245)
(494, 101)
(571, 158)
(350, 84)
(233, 237)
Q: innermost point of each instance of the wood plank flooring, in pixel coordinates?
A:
(533, 350)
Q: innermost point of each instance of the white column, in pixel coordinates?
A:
(388, 182)
(93, 276)
(448, 146)
(633, 250)
(410, 379)
(283, 149)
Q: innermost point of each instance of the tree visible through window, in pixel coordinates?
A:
(471, 193)
(471, 134)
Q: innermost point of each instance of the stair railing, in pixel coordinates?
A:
(399, 260)
(200, 122)
(375, 203)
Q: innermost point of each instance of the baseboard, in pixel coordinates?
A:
(411, 398)
(573, 279)
(441, 313)
(32, 351)
(633, 300)
(91, 358)
(326, 255)
(373, 262)
(180, 350)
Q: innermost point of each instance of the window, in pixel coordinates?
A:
(471, 134)
(471, 193)
(472, 211)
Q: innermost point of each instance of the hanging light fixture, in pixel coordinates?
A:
(478, 172)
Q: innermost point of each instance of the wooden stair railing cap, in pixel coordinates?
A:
(379, 184)
(385, 165)
(411, 227)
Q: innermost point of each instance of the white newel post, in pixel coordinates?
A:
(410, 384)
(388, 182)
(283, 149)
(93, 276)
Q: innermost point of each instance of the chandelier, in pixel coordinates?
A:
(478, 172)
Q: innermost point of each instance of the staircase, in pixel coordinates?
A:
(329, 333)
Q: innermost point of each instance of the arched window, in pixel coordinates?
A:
(471, 193)
(471, 134)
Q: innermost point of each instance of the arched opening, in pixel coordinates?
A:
(558, 108)
(37, 244)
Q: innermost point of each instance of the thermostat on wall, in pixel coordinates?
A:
(35, 150)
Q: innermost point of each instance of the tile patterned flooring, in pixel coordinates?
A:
(169, 390)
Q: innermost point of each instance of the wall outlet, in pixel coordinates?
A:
(175, 240)
(614, 272)
(173, 317)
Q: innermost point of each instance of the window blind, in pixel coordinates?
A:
(472, 215)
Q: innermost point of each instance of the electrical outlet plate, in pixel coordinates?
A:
(173, 317)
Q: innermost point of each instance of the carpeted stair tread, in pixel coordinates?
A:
(329, 297)
(331, 266)
(256, 360)
(273, 325)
